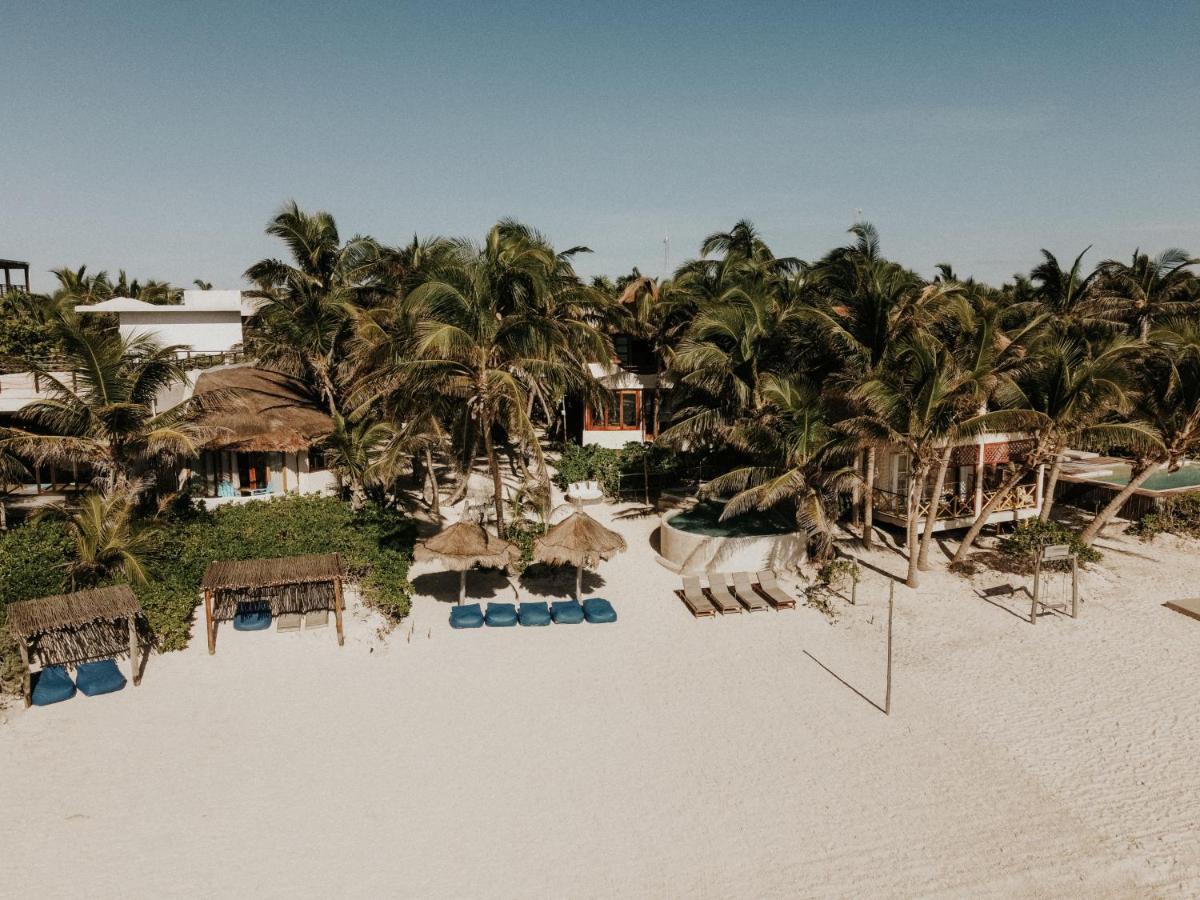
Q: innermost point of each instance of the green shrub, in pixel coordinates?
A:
(523, 533)
(1177, 515)
(1033, 534)
(605, 465)
(838, 574)
(31, 558)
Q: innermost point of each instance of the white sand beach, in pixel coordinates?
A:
(656, 757)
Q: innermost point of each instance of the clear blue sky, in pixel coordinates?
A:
(162, 136)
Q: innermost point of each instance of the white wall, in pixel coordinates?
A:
(614, 440)
(202, 330)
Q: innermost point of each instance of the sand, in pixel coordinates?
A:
(657, 757)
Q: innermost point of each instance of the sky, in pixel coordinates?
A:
(161, 137)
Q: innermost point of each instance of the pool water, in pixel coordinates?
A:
(705, 518)
(1187, 476)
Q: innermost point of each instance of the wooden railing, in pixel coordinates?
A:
(953, 505)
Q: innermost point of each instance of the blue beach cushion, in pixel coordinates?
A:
(597, 609)
(101, 677)
(534, 614)
(252, 617)
(566, 612)
(469, 616)
(501, 615)
(52, 685)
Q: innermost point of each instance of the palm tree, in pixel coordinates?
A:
(101, 412)
(1148, 290)
(1069, 299)
(305, 322)
(1166, 395)
(109, 538)
(659, 312)
(797, 460)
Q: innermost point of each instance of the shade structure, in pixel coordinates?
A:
(463, 546)
(579, 541)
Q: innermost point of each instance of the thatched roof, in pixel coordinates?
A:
(269, 411)
(61, 611)
(464, 545)
(578, 540)
(262, 573)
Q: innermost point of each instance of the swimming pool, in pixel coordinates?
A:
(696, 540)
(1187, 476)
(705, 518)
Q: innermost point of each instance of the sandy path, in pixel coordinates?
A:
(655, 757)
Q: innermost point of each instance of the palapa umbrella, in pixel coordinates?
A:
(578, 540)
(465, 545)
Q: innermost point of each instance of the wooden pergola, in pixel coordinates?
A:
(288, 584)
(71, 629)
(14, 265)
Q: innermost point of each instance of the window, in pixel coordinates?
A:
(622, 412)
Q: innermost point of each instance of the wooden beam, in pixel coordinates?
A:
(133, 652)
(208, 621)
(27, 690)
(337, 610)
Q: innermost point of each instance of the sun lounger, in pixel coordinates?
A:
(469, 616)
(744, 591)
(288, 622)
(534, 614)
(500, 615)
(52, 685)
(101, 677)
(770, 588)
(598, 610)
(722, 596)
(693, 596)
(566, 612)
(252, 617)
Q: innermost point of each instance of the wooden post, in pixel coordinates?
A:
(27, 688)
(133, 652)
(1037, 588)
(208, 621)
(887, 698)
(462, 586)
(1074, 587)
(337, 609)
(578, 582)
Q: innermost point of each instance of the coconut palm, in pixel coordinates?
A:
(101, 411)
(1148, 290)
(659, 311)
(109, 538)
(1069, 299)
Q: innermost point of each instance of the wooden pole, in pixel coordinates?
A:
(578, 582)
(1037, 589)
(337, 609)
(208, 622)
(462, 586)
(27, 689)
(887, 698)
(1074, 587)
(133, 652)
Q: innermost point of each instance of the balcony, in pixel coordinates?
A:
(956, 510)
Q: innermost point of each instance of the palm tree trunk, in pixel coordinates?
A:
(494, 468)
(916, 487)
(1114, 505)
(433, 481)
(1048, 488)
(988, 508)
(869, 501)
(939, 482)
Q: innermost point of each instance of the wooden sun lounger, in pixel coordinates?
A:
(1189, 608)
(744, 591)
(722, 596)
(693, 596)
(770, 588)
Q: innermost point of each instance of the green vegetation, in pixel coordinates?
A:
(30, 566)
(635, 460)
(1031, 535)
(1175, 515)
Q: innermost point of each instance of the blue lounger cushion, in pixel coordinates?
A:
(52, 685)
(534, 614)
(597, 609)
(566, 612)
(101, 677)
(252, 617)
(501, 615)
(469, 616)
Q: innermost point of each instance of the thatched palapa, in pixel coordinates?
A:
(579, 541)
(269, 411)
(463, 546)
(288, 584)
(70, 629)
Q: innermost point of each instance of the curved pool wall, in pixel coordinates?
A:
(691, 552)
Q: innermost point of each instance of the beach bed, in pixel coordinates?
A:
(693, 596)
(744, 591)
(722, 596)
(770, 589)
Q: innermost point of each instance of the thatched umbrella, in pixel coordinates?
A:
(463, 546)
(578, 540)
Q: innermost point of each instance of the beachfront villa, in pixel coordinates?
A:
(206, 322)
(631, 378)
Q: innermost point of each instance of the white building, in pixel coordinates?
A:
(205, 322)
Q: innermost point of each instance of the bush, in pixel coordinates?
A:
(1177, 515)
(30, 566)
(602, 464)
(1033, 534)
(523, 533)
